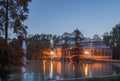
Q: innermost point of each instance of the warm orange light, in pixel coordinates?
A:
(86, 52)
(59, 67)
(86, 70)
(44, 66)
(52, 53)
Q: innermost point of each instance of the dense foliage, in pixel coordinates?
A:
(12, 15)
(37, 44)
(12, 55)
(113, 40)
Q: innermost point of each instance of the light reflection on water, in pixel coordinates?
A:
(86, 70)
(51, 70)
(47, 70)
(59, 70)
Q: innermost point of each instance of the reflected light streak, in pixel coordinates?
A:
(44, 67)
(90, 75)
(73, 68)
(59, 67)
(86, 70)
(51, 69)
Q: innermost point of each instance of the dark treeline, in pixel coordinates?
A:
(12, 15)
(112, 39)
(39, 43)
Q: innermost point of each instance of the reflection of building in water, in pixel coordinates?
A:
(101, 69)
(86, 70)
(44, 66)
(97, 69)
(85, 48)
(59, 68)
(51, 70)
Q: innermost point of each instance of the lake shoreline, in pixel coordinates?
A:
(97, 78)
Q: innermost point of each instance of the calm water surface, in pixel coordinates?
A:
(48, 70)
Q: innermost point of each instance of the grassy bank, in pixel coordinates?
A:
(111, 78)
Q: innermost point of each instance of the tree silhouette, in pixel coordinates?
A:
(37, 44)
(113, 40)
(12, 15)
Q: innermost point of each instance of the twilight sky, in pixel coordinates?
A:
(59, 16)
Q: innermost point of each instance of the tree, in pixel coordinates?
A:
(15, 53)
(107, 39)
(65, 37)
(113, 40)
(37, 45)
(12, 15)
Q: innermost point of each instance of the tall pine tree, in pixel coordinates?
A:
(12, 15)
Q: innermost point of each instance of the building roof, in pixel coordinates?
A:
(92, 40)
(96, 41)
(97, 46)
(77, 32)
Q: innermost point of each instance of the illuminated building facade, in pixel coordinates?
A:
(96, 49)
(84, 48)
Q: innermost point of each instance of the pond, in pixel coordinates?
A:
(49, 70)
